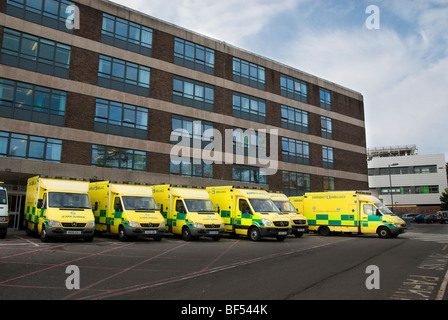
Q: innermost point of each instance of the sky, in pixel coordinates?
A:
(396, 56)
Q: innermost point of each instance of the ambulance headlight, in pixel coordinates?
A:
(133, 224)
(91, 224)
(198, 225)
(397, 225)
(266, 222)
(54, 223)
(162, 225)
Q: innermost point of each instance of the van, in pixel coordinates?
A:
(298, 221)
(249, 212)
(4, 215)
(58, 208)
(188, 212)
(127, 211)
(348, 211)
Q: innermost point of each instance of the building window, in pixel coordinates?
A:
(393, 170)
(426, 189)
(28, 102)
(188, 169)
(293, 88)
(329, 184)
(122, 75)
(193, 130)
(49, 13)
(294, 119)
(325, 99)
(295, 151)
(194, 56)
(249, 74)
(249, 108)
(121, 119)
(326, 127)
(248, 143)
(192, 93)
(327, 157)
(118, 158)
(29, 52)
(295, 183)
(426, 169)
(126, 35)
(30, 147)
(247, 174)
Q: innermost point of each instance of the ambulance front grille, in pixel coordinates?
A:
(281, 223)
(212, 226)
(149, 225)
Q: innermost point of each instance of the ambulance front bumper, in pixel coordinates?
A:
(69, 233)
(201, 232)
(145, 232)
(274, 232)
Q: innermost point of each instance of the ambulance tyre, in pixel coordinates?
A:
(383, 232)
(281, 238)
(254, 234)
(122, 236)
(186, 234)
(324, 231)
(44, 235)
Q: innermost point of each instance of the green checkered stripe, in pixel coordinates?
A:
(333, 220)
(246, 219)
(33, 214)
(102, 218)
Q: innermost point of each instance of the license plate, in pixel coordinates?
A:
(282, 233)
(73, 232)
(213, 232)
(150, 231)
(301, 230)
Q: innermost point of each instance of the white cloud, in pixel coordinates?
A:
(231, 20)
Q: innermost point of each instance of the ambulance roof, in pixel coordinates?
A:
(131, 190)
(190, 193)
(278, 196)
(65, 185)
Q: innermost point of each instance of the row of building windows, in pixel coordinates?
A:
(33, 53)
(138, 38)
(46, 149)
(402, 170)
(410, 190)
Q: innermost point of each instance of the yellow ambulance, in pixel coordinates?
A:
(188, 212)
(249, 212)
(348, 211)
(128, 211)
(58, 208)
(298, 221)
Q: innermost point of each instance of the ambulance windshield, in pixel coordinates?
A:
(3, 197)
(68, 200)
(383, 209)
(139, 203)
(285, 206)
(199, 205)
(263, 205)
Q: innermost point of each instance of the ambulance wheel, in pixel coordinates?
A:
(281, 238)
(254, 234)
(216, 238)
(122, 236)
(383, 232)
(186, 234)
(44, 235)
(324, 231)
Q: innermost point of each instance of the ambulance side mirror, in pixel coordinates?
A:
(95, 206)
(40, 203)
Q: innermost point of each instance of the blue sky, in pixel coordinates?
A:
(401, 69)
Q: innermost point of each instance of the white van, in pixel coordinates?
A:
(4, 216)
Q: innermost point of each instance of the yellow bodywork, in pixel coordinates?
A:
(188, 212)
(348, 211)
(58, 208)
(126, 210)
(249, 212)
(299, 222)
